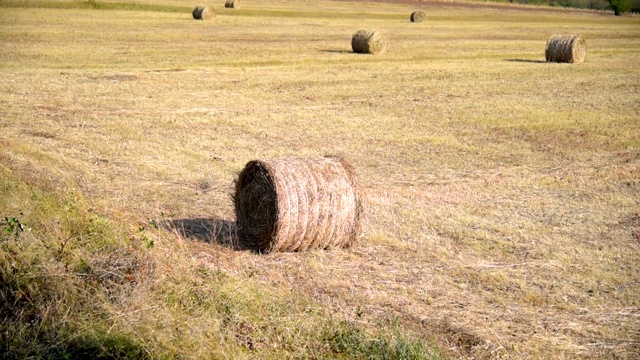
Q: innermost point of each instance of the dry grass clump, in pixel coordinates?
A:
(202, 12)
(298, 204)
(418, 16)
(76, 285)
(231, 4)
(366, 41)
(566, 49)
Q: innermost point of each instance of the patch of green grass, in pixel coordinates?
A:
(349, 341)
(52, 279)
(75, 285)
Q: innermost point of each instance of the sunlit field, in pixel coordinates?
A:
(502, 193)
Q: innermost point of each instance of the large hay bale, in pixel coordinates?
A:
(566, 49)
(298, 204)
(418, 16)
(202, 12)
(231, 4)
(366, 41)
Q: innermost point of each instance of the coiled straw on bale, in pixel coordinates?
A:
(202, 12)
(418, 16)
(366, 41)
(566, 49)
(231, 4)
(298, 204)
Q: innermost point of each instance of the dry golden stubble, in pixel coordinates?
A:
(476, 183)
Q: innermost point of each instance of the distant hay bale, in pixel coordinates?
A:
(298, 204)
(418, 16)
(207, 13)
(565, 49)
(197, 11)
(202, 12)
(366, 41)
(231, 4)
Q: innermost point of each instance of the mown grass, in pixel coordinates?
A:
(75, 285)
(141, 6)
(501, 191)
(60, 266)
(92, 4)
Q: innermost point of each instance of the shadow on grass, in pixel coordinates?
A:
(338, 51)
(527, 61)
(209, 230)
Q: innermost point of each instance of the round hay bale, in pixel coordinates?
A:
(565, 49)
(298, 204)
(197, 11)
(207, 13)
(418, 16)
(366, 41)
(231, 4)
(202, 12)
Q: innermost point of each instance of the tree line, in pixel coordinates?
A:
(617, 6)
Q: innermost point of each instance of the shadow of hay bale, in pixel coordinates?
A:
(209, 230)
(527, 61)
(337, 51)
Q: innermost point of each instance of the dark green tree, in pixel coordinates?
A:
(619, 6)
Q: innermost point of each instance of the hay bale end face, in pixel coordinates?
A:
(565, 49)
(298, 204)
(231, 4)
(418, 16)
(366, 41)
(202, 12)
(197, 11)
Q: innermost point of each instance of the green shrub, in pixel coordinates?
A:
(620, 6)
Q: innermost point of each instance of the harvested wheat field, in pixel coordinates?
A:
(500, 192)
